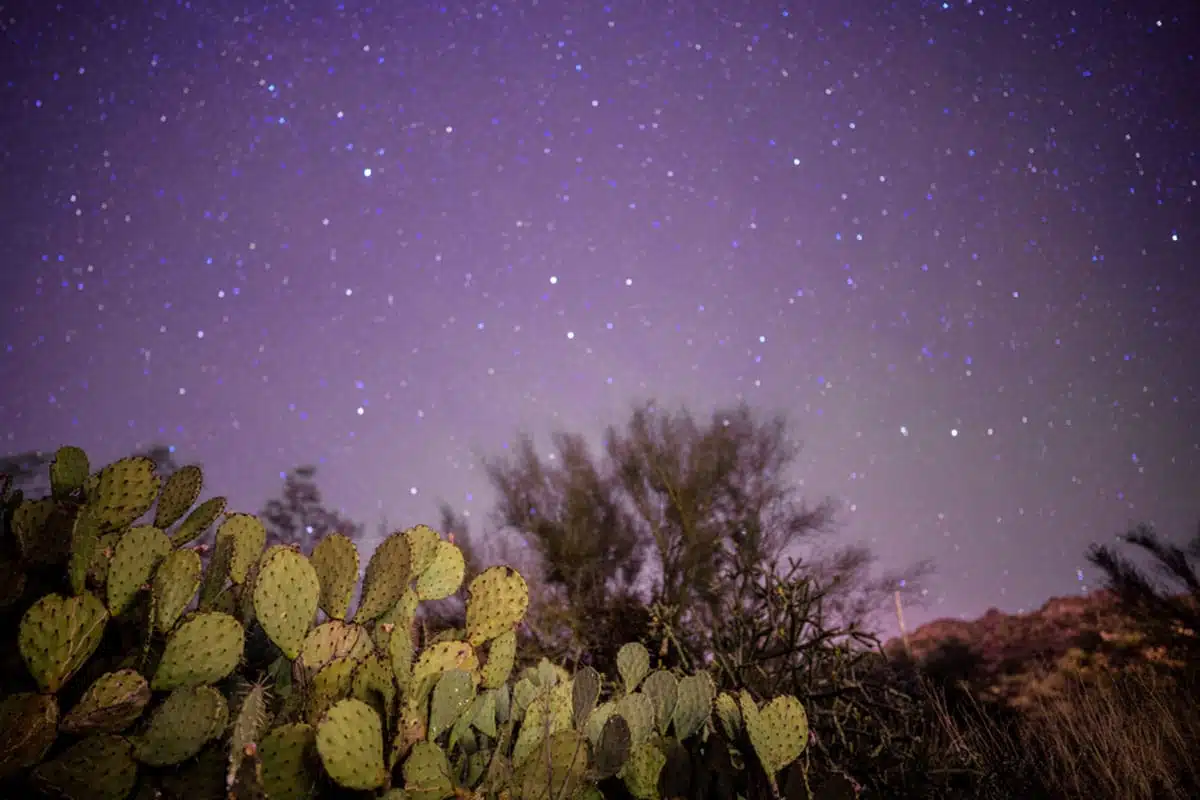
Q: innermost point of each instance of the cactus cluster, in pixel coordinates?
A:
(151, 667)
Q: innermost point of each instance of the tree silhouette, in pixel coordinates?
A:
(1169, 617)
(298, 516)
(678, 515)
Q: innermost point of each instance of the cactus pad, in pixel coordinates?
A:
(68, 472)
(558, 772)
(387, 575)
(336, 561)
(28, 727)
(547, 714)
(110, 704)
(638, 711)
(123, 491)
(444, 575)
(205, 648)
(502, 655)
(29, 522)
(374, 684)
(175, 583)
(331, 683)
(633, 664)
(58, 635)
(334, 639)
(287, 752)
(585, 692)
(778, 732)
(179, 728)
(286, 593)
(247, 538)
(435, 660)
(422, 546)
(137, 553)
(180, 491)
(452, 694)
(198, 522)
(350, 743)
(642, 769)
(693, 704)
(95, 768)
(85, 541)
(729, 715)
(663, 690)
(427, 773)
(498, 600)
(613, 746)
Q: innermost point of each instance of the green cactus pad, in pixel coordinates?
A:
(335, 559)
(729, 715)
(633, 664)
(331, 683)
(200, 778)
(29, 524)
(422, 546)
(98, 572)
(334, 639)
(501, 656)
(452, 694)
(179, 728)
(287, 753)
(612, 746)
(96, 768)
(435, 660)
(123, 491)
(403, 614)
(28, 727)
(110, 705)
(374, 684)
(595, 722)
(180, 491)
(693, 705)
(663, 690)
(175, 583)
(400, 655)
(444, 575)
(205, 648)
(137, 553)
(559, 772)
(778, 732)
(498, 600)
(350, 743)
(58, 635)
(642, 769)
(216, 576)
(547, 714)
(483, 713)
(68, 472)
(85, 541)
(247, 538)
(585, 692)
(286, 593)
(638, 711)
(427, 773)
(387, 575)
(198, 522)
(248, 726)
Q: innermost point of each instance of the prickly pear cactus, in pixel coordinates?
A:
(99, 767)
(444, 575)
(110, 705)
(58, 635)
(203, 649)
(179, 728)
(778, 732)
(633, 663)
(198, 522)
(335, 559)
(138, 552)
(499, 598)
(285, 598)
(387, 575)
(175, 583)
(350, 742)
(180, 492)
(28, 727)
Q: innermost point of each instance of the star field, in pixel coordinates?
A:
(955, 242)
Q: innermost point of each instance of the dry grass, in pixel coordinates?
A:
(1130, 735)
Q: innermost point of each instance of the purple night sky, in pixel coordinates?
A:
(950, 240)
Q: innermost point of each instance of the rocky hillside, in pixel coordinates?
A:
(1015, 658)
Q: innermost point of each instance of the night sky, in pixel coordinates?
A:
(954, 242)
